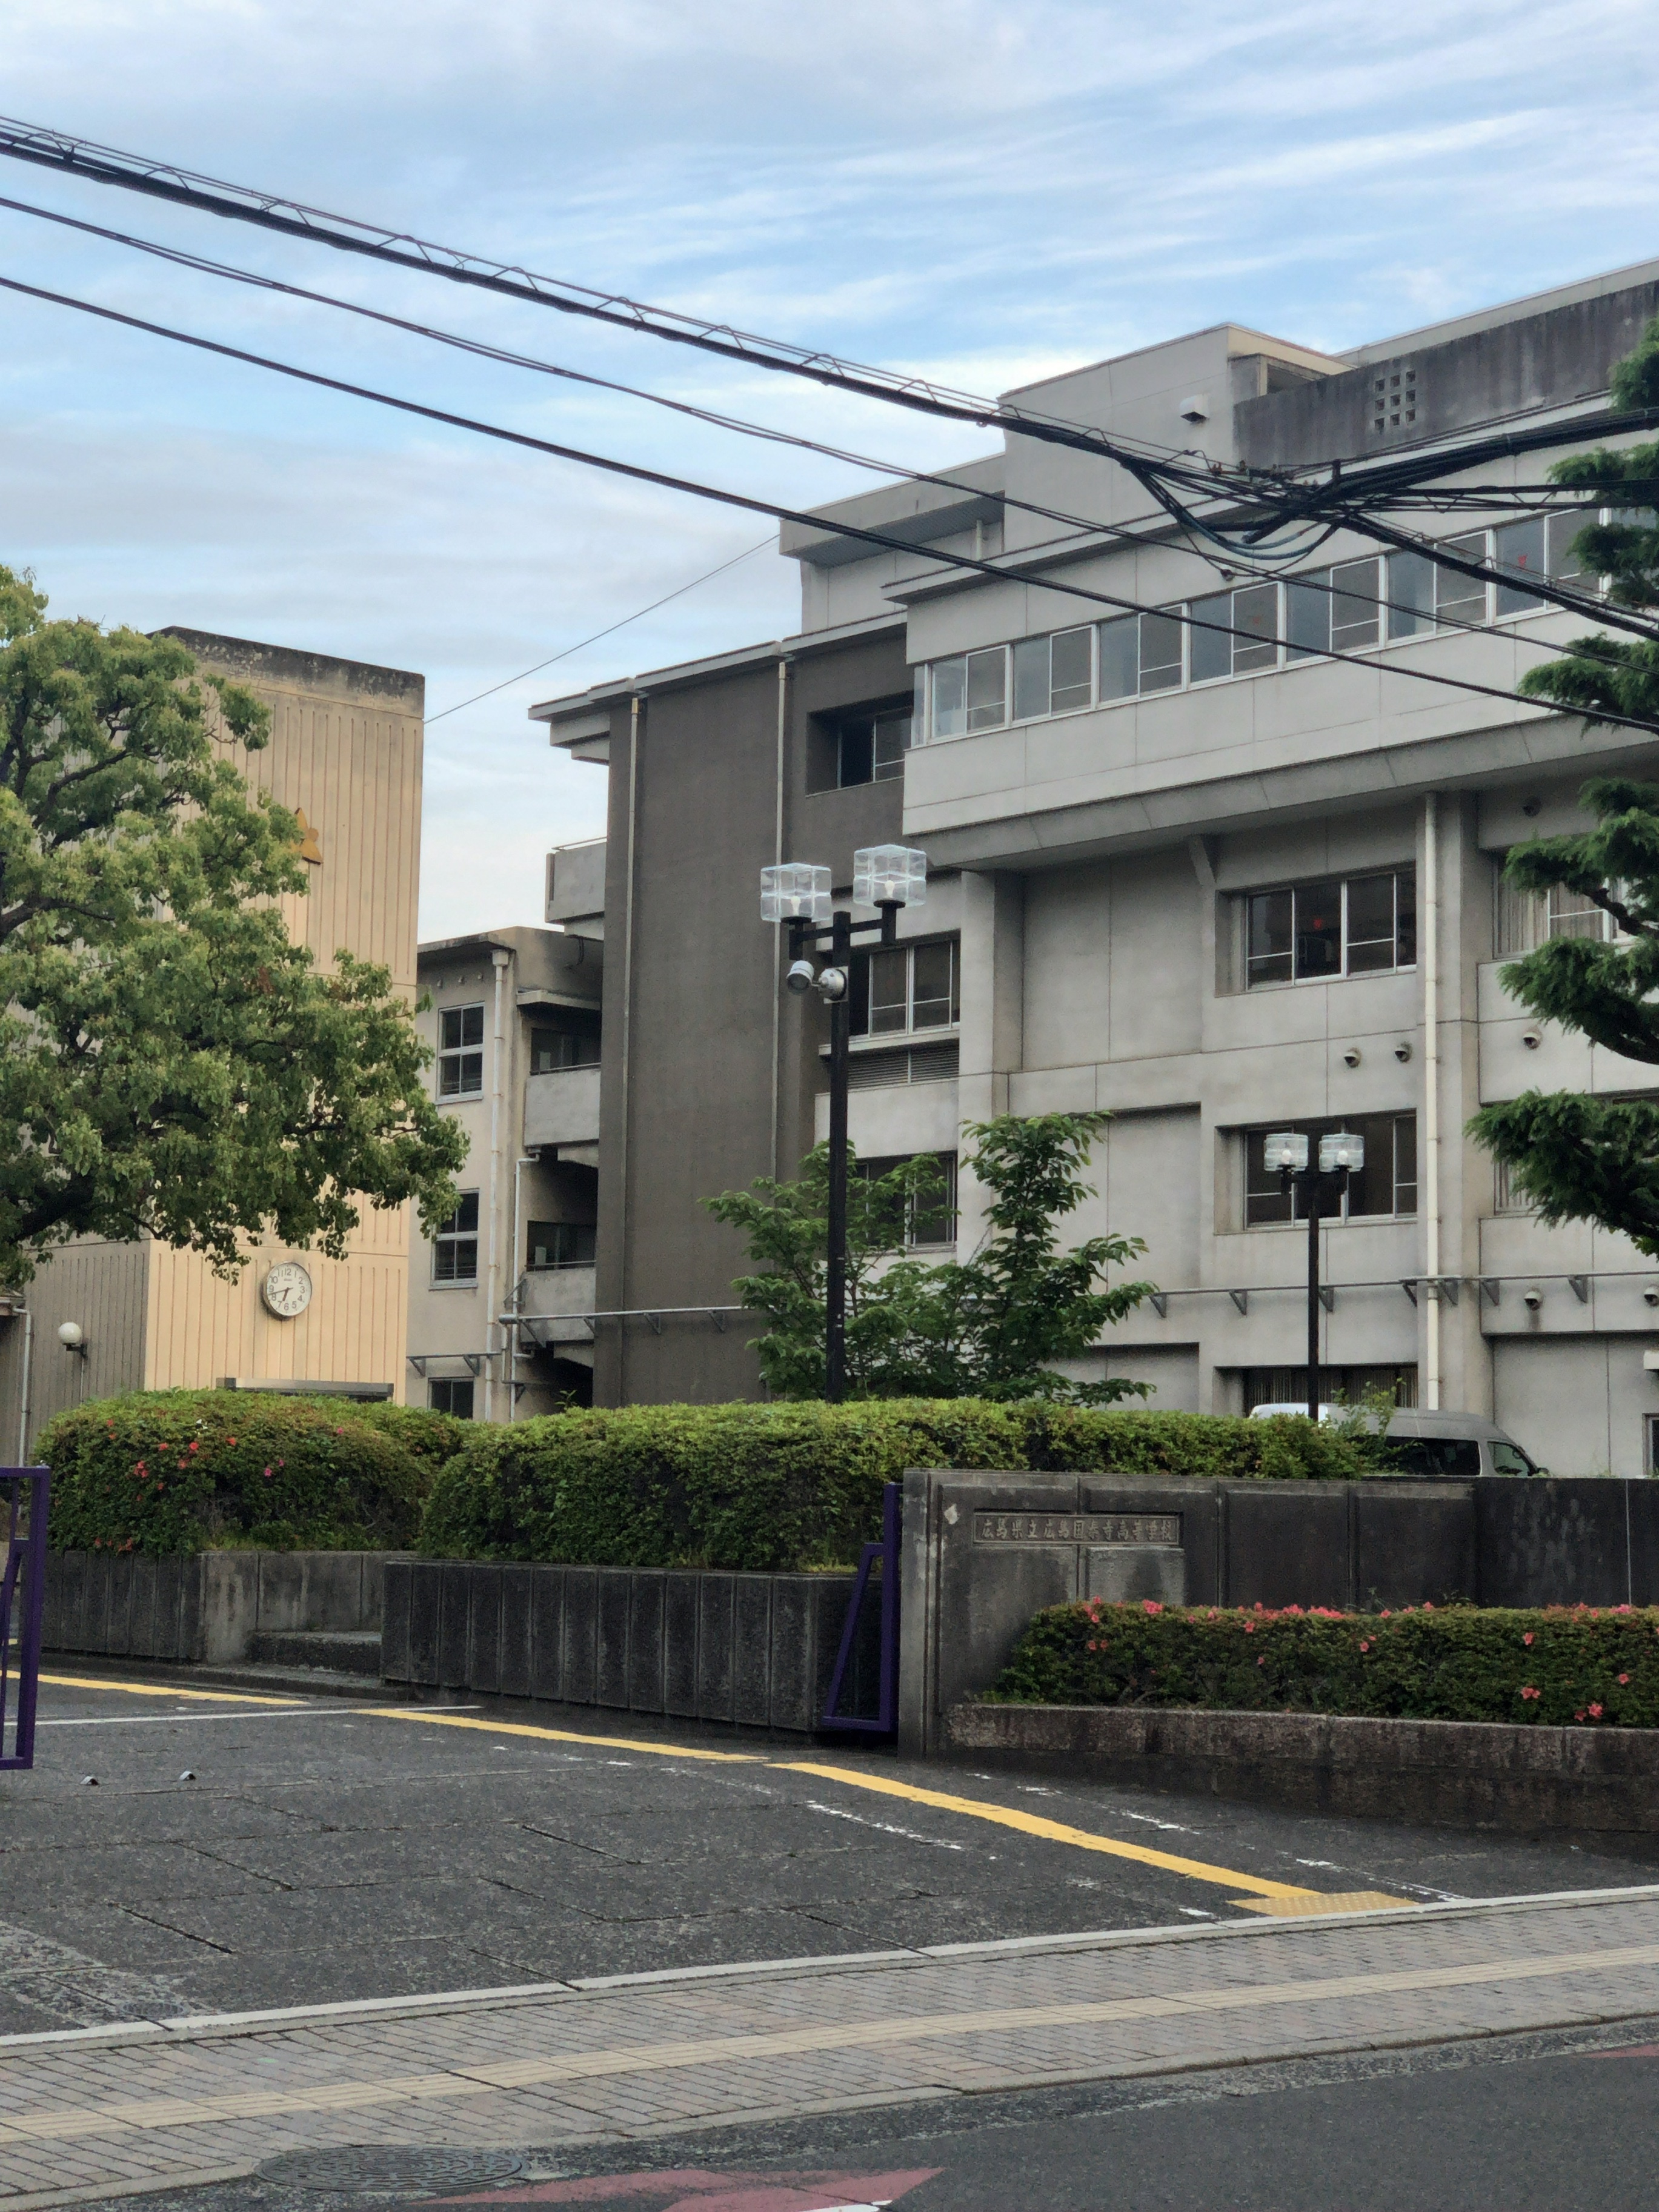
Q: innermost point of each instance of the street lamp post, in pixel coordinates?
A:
(1341, 1153)
(888, 877)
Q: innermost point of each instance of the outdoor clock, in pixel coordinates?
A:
(287, 1290)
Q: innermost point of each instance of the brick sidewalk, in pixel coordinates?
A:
(84, 2112)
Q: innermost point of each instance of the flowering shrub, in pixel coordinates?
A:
(165, 1470)
(1579, 1665)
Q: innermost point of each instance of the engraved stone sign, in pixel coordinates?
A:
(1077, 1528)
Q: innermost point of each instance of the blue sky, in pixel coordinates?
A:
(985, 193)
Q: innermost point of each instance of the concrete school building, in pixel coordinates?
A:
(344, 754)
(1216, 884)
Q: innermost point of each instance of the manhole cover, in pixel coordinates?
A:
(392, 2169)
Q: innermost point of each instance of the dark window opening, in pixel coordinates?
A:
(904, 988)
(1353, 926)
(559, 1244)
(460, 1051)
(451, 1397)
(1344, 1386)
(930, 1219)
(569, 1039)
(455, 1247)
(861, 745)
(1386, 1185)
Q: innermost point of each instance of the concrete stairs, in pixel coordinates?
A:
(355, 1652)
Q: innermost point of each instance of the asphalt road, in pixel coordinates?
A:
(322, 1851)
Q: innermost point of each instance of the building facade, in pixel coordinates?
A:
(344, 754)
(1184, 867)
(499, 1299)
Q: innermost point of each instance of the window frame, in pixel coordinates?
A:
(451, 1238)
(859, 995)
(1325, 1125)
(872, 1171)
(1245, 901)
(458, 1054)
(451, 1383)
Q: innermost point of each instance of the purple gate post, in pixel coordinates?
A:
(887, 1551)
(25, 1496)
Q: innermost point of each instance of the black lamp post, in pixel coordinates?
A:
(1341, 1153)
(887, 878)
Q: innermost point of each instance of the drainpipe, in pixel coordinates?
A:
(23, 1416)
(777, 949)
(500, 960)
(519, 1167)
(623, 1056)
(1431, 1096)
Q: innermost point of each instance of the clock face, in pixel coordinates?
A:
(287, 1290)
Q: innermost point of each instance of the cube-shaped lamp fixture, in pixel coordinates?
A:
(1285, 1148)
(889, 875)
(796, 891)
(1343, 1148)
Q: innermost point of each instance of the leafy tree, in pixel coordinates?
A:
(987, 1326)
(171, 1064)
(1579, 1157)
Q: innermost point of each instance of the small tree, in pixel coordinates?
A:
(172, 1064)
(1579, 1157)
(987, 1326)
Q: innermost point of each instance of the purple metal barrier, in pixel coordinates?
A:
(25, 1495)
(887, 1551)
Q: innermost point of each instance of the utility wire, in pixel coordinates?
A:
(639, 615)
(637, 474)
(1082, 524)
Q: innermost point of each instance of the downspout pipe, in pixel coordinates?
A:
(502, 961)
(1431, 1098)
(23, 1413)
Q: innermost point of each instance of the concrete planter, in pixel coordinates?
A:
(206, 1606)
(758, 1649)
(1476, 1774)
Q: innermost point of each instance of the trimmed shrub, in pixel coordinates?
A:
(798, 1483)
(1578, 1665)
(164, 1471)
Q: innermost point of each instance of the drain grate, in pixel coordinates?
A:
(393, 2169)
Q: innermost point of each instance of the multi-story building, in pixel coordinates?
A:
(345, 756)
(499, 1299)
(1206, 877)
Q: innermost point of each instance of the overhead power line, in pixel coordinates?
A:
(636, 473)
(178, 256)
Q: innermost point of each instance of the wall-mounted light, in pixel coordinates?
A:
(72, 1338)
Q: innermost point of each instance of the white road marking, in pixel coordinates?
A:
(912, 1835)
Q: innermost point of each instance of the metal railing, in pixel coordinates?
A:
(25, 1498)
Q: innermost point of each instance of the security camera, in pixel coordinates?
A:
(832, 984)
(1651, 1297)
(1402, 1051)
(1532, 808)
(1351, 1057)
(800, 977)
(1532, 1039)
(1532, 1298)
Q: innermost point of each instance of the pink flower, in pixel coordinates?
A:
(1578, 1717)
(267, 1474)
(1532, 1694)
(1527, 1638)
(1596, 1712)
(1261, 1662)
(1365, 1646)
(1428, 1605)
(1249, 1628)
(1152, 1605)
(1623, 1679)
(1621, 1608)
(1386, 1614)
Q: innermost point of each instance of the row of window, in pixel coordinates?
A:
(549, 1244)
(1350, 607)
(574, 1043)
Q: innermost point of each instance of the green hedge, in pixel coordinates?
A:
(799, 1485)
(1560, 1665)
(193, 1470)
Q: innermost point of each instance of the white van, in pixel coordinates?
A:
(1438, 1444)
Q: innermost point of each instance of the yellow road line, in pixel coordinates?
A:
(1056, 1832)
(473, 2078)
(563, 1735)
(152, 1690)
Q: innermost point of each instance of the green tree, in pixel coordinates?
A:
(1579, 1157)
(987, 1326)
(171, 1064)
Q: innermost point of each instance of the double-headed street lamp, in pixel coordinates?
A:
(797, 893)
(1341, 1153)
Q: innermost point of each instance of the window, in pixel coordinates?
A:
(933, 1221)
(870, 747)
(904, 988)
(1344, 1386)
(1235, 632)
(1458, 598)
(460, 1051)
(455, 1247)
(1306, 932)
(451, 1397)
(1386, 1185)
(1526, 920)
(559, 1244)
(971, 692)
(573, 1046)
(1054, 675)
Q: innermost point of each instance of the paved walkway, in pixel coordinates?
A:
(568, 2063)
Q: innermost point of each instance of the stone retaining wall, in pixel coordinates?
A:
(1472, 1774)
(206, 1606)
(687, 1644)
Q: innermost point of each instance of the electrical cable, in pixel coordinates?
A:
(636, 473)
(200, 263)
(638, 615)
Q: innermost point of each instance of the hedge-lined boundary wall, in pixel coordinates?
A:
(1468, 1774)
(754, 1650)
(206, 1606)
